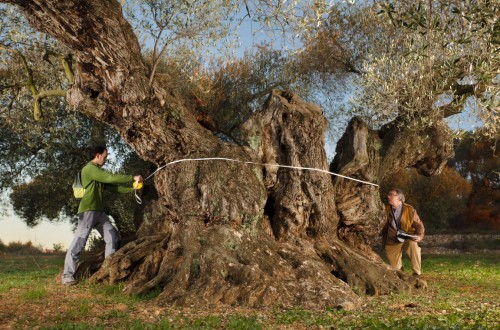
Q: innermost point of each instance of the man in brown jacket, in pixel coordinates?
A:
(401, 216)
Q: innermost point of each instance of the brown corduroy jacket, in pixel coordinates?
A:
(410, 223)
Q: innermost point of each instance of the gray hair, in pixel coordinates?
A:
(400, 194)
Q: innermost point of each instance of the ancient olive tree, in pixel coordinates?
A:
(226, 232)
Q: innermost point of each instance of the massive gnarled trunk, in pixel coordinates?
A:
(226, 232)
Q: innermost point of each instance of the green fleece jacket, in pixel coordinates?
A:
(95, 179)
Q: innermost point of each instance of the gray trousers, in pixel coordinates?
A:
(86, 222)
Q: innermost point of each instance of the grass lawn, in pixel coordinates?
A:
(463, 293)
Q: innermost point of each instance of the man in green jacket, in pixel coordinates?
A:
(91, 209)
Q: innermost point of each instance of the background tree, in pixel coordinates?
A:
(477, 160)
(439, 199)
(40, 157)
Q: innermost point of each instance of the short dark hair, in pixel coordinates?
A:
(97, 149)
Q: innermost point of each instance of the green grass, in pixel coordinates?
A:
(21, 271)
(35, 295)
(462, 294)
(244, 323)
(73, 326)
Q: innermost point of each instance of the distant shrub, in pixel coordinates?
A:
(95, 243)
(20, 248)
(475, 245)
(58, 247)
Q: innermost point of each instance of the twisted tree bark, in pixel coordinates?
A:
(232, 233)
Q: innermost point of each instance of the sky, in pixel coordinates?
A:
(46, 234)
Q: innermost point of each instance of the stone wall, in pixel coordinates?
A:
(459, 243)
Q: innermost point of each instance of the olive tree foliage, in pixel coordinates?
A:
(451, 57)
(31, 70)
(197, 31)
(42, 142)
(184, 32)
(438, 199)
(419, 60)
(228, 93)
(34, 67)
(190, 46)
(177, 29)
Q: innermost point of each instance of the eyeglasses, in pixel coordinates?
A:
(392, 194)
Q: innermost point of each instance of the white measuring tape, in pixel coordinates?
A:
(252, 163)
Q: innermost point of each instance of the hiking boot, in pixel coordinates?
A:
(68, 280)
